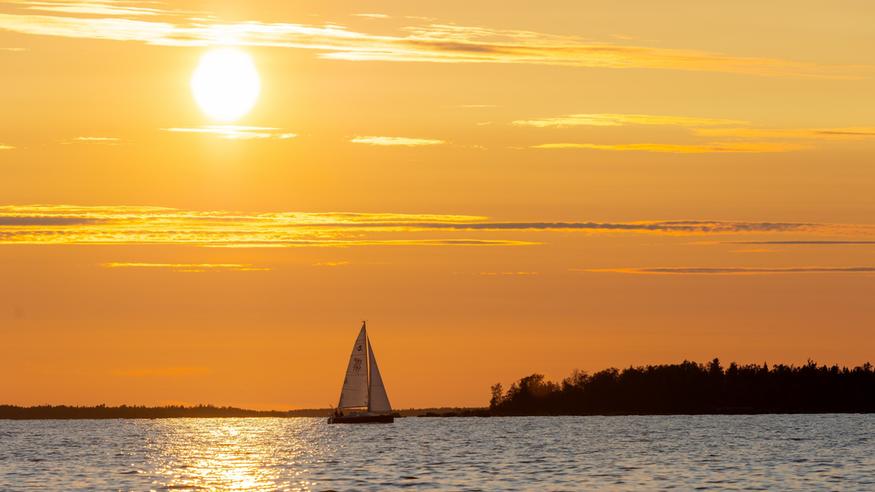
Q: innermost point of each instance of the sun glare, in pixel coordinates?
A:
(226, 84)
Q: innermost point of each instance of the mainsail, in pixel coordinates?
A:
(379, 400)
(363, 385)
(355, 384)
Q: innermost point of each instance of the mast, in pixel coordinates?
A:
(368, 358)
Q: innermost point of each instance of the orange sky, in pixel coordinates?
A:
(498, 189)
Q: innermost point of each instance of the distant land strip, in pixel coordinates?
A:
(68, 412)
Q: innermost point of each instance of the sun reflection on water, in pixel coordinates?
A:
(229, 454)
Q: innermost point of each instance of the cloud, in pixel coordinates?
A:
(190, 267)
(430, 42)
(13, 49)
(609, 119)
(396, 141)
(331, 263)
(236, 132)
(96, 7)
(6, 147)
(728, 270)
(852, 133)
(93, 140)
(475, 106)
(800, 242)
(73, 224)
(753, 136)
(37, 221)
(372, 16)
(706, 148)
(508, 274)
(669, 226)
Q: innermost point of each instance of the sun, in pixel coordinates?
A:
(225, 84)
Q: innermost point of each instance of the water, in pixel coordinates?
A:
(778, 452)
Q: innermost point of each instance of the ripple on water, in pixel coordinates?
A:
(559, 453)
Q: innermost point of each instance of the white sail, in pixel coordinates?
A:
(355, 384)
(379, 400)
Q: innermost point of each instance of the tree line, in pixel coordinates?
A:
(693, 388)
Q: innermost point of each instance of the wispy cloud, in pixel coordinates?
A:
(94, 7)
(14, 49)
(826, 242)
(852, 133)
(706, 148)
(236, 132)
(396, 141)
(754, 140)
(728, 270)
(331, 263)
(93, 140)
(70, 224)
(430, 42)
(508, 274)
(66, 224)
(190, 267)
(610, 119)
(475, 106)
(6, 147)
(372, 16)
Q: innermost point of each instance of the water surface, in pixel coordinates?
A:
(777, 452)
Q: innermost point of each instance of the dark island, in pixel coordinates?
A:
(692, 388)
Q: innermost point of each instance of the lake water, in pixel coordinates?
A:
(777, 452)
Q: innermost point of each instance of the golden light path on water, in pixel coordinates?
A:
(231, 454)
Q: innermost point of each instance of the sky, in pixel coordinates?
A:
(499, 188)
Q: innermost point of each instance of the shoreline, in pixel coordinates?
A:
(472, 413)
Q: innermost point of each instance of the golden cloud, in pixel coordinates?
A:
(852, 133)
(730, 270)
(237, 132)
(93, 140)
(706, 148)
(396, 141)
(610, 119)
(71, 224)
(432, 42)
(95, 7)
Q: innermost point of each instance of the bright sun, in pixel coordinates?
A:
(225, 84)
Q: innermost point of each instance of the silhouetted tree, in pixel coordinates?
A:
(690, 387)
(497, 395)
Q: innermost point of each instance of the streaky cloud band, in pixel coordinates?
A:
(728, 270)
(432, 42)
(73, 224)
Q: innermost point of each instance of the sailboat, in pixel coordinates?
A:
(363, 398)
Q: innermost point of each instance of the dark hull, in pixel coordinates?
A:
(361, 419)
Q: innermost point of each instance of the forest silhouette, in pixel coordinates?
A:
(692, 388)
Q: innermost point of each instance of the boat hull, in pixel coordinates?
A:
(361, 419)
